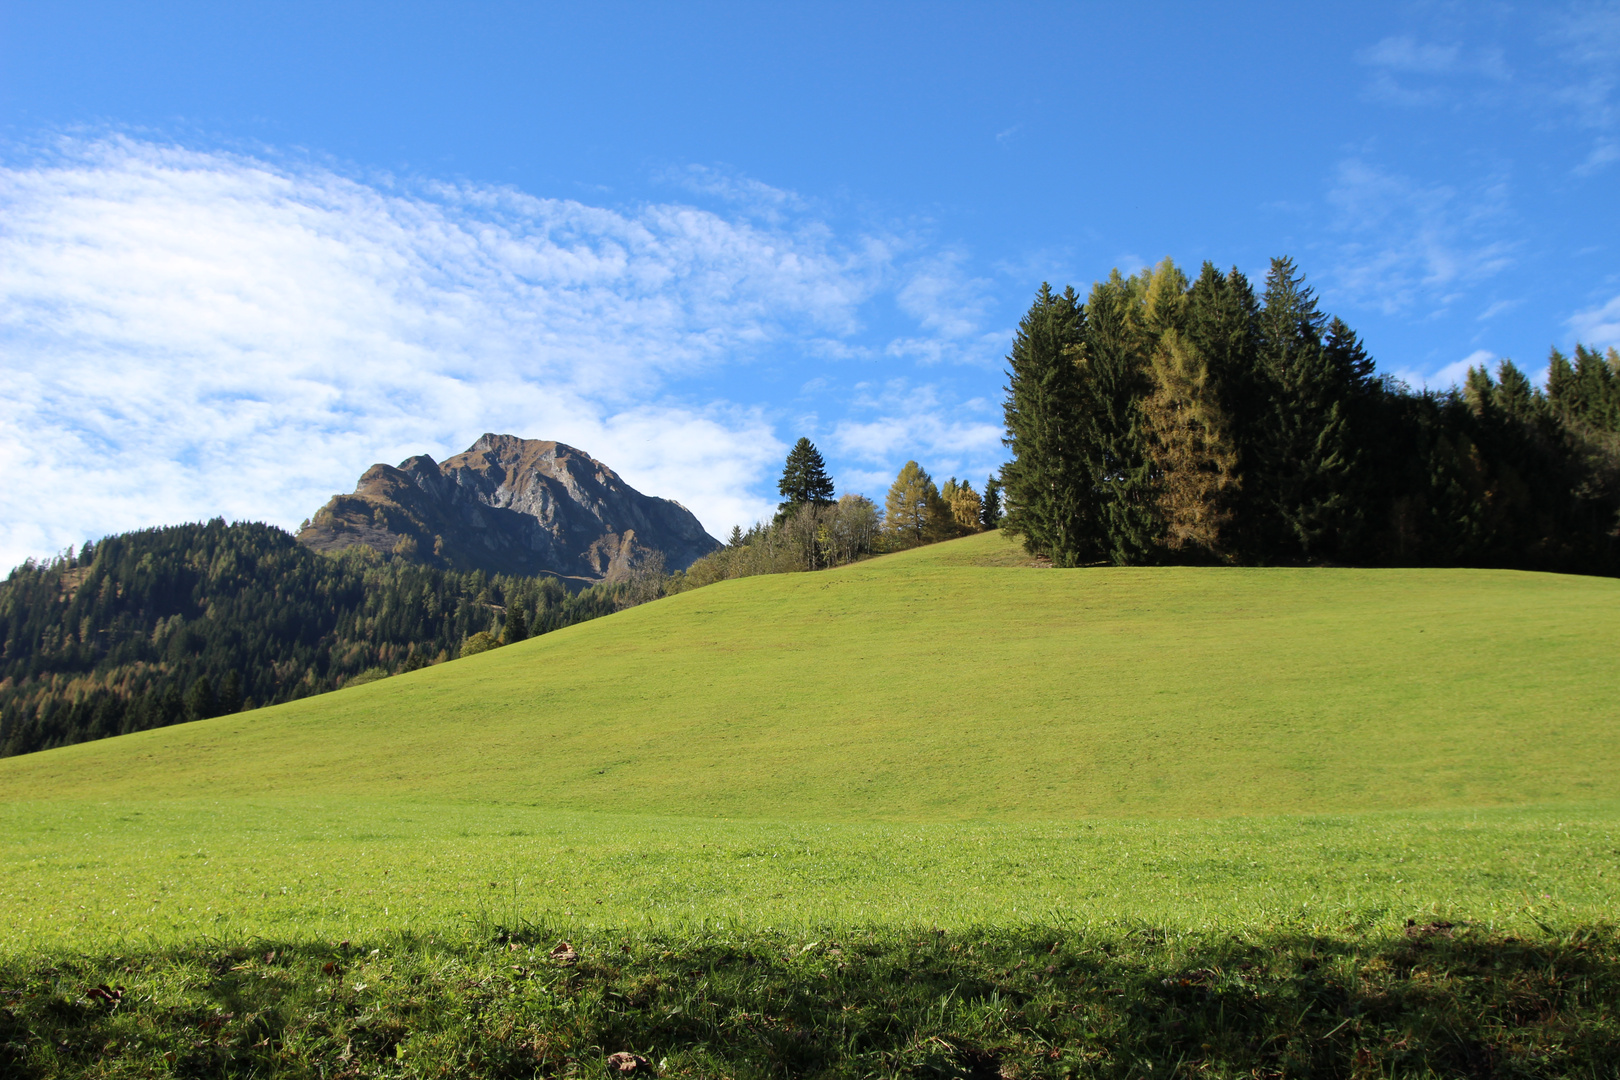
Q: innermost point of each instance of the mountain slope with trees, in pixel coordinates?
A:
(160, 626)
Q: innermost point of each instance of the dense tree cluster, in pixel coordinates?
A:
(163, 625)
(812, 530)
(1168, 420)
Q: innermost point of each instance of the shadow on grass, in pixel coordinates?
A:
(1436, 1000)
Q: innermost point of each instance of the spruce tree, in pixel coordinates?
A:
(804, 479)
(230, 693)
(1562, 392)
(990, 512)
(200, 703)
(1113, 440)
(517, 626)
(1045, 482)
(1595, 390)
(1300, 472)
(1516, 395)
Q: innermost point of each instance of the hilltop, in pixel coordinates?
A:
(936, 685)
(511, 506)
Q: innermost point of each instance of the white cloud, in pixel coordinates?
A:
(1450, 375)
(1407, 71)
(914, 421)
(1598, 326)
(1403, 53)
(1408, 245)
(185, 334)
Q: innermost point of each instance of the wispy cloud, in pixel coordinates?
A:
(1407, 245)
(1587, 83)
(1567, 73)
(899, 416)
(186, 333)
(1406, 71)
(1599, 326)
(1451, 374)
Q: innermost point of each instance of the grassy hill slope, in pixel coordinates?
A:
(950, 683)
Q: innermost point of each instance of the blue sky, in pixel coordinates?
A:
(248, 250)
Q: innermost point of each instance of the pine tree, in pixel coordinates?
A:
(1516, 395)
(200, 703)
(1562, 392)
(1113, 443)
(1045, 482)
(990, 512)
(1594, 390)
(804, 479)
(230, 693)
(1300, 472)
(517, 626)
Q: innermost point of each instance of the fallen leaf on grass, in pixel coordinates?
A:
(627, 1063)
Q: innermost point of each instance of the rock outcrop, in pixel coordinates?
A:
(513, 506)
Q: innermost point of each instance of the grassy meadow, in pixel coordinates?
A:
(939, 813)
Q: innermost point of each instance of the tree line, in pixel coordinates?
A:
(813, 530)
(165, 625)
(1168, 420)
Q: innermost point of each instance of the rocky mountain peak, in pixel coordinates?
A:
(511, 505)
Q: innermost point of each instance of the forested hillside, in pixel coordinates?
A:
(1163, 420)
(180, 623)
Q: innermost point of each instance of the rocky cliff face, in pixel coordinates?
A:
(514, 506)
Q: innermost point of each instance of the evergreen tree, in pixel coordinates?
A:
(990, 512)
(517, 626)
(1046, 482)
(230, 693)
(1595, 390)
(804, 479)
(200, 703)
(1113, 442)
(1562, 390)
(1516, 395)
(1302, 458)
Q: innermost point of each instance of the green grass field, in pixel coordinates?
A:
(1181, 767)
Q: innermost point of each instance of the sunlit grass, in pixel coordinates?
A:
(103, 876)
(910, 688)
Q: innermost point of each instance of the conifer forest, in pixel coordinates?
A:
(1166, 420)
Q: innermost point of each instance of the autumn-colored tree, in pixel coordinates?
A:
(965, 505)
(914, 513)
(1189, 432)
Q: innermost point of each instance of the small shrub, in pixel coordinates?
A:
(483, 641)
